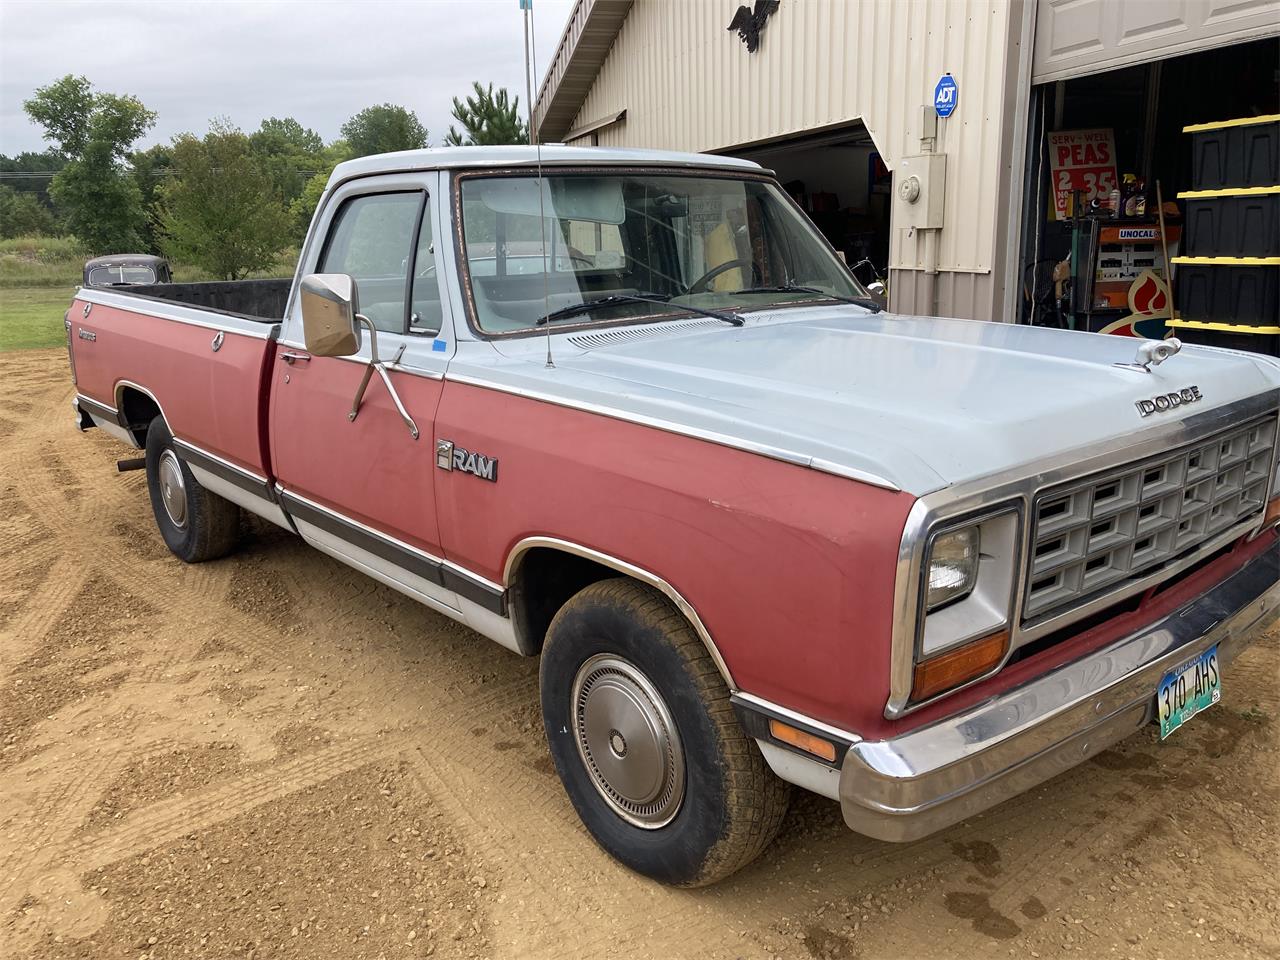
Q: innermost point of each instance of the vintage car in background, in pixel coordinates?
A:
(126, 269)
(760, 531)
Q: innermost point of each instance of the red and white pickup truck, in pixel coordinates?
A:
(628, 411)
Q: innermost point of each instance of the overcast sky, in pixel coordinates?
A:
(319, 61)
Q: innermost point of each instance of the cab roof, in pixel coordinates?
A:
(125, 260)
(553, 155)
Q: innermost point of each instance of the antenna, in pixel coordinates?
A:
(530, 67)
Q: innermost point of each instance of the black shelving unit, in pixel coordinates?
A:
(1228, 278)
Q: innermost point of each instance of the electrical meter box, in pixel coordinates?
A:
(919, 186)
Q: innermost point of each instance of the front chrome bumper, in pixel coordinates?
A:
(910, 786)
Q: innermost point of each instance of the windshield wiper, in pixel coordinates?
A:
(797, 288)
(586, 306)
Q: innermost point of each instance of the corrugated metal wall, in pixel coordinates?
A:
(688, 84)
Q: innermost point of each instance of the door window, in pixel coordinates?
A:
(372, 240)
(425, 312)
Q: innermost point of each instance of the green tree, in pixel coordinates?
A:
(31, 172)
(93, 133)
(304, 204)
(290, 153)
(218, 210)
(382, 129)
(487, 119)
(304, 207)
(23, 215)
(103, 204)
(149, 169)
(64, 108)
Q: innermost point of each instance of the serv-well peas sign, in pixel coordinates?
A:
(1083, 160)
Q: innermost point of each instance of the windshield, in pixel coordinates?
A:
(714, 243)
(117, 273)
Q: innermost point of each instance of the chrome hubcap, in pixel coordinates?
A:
(173, 490)
(628, 741)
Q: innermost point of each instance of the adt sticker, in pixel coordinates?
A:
(945, 96)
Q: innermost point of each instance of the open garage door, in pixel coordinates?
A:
(1078, 37)
(838, 177)
(1153, 207)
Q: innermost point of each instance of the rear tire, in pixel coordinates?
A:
(646, 742)
(196, 525)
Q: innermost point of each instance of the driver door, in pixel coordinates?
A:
(362, 488)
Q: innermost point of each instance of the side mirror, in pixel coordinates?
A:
(876, 289)
(330, 306)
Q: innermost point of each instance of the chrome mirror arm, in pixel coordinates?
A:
(376, 364)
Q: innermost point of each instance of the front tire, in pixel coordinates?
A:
(196, 525)
(645, 740)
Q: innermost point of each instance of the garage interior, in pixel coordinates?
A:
(1090, 268)
(839, 179)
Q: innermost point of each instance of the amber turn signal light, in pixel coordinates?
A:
(953, 668)
(1272, 513)
(802, 741)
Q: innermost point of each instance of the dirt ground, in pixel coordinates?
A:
(273, 756)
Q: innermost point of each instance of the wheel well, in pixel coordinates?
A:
(137, 410)
(543, 582)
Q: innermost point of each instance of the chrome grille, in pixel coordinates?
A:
(1096, 534)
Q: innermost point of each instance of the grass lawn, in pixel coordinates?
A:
(31, 317)
(39, 277)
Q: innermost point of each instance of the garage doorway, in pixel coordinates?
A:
(839, 179)
(1125, 234)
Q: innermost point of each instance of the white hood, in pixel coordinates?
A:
(922, 403)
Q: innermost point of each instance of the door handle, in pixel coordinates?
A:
(290, 357)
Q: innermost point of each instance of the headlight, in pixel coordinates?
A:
(953, 567)
(968, 584)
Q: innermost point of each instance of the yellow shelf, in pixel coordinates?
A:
(1228, 192)
(1226, 327)
(1228, 261)
(1239, 122)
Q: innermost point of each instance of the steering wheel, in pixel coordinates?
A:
(700, 285)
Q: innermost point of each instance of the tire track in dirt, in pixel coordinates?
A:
(76, 785)
(535, 816)
(40, 611)
(43, 486)
(19, 531)
(54, 817)
(168, 820)
(33, 482)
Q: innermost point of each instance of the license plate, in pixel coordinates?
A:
(1186, 691)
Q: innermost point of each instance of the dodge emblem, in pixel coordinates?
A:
(1167, 401)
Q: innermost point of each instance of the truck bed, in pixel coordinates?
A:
(251, 299)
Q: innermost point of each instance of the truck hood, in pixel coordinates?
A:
(919, 403)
